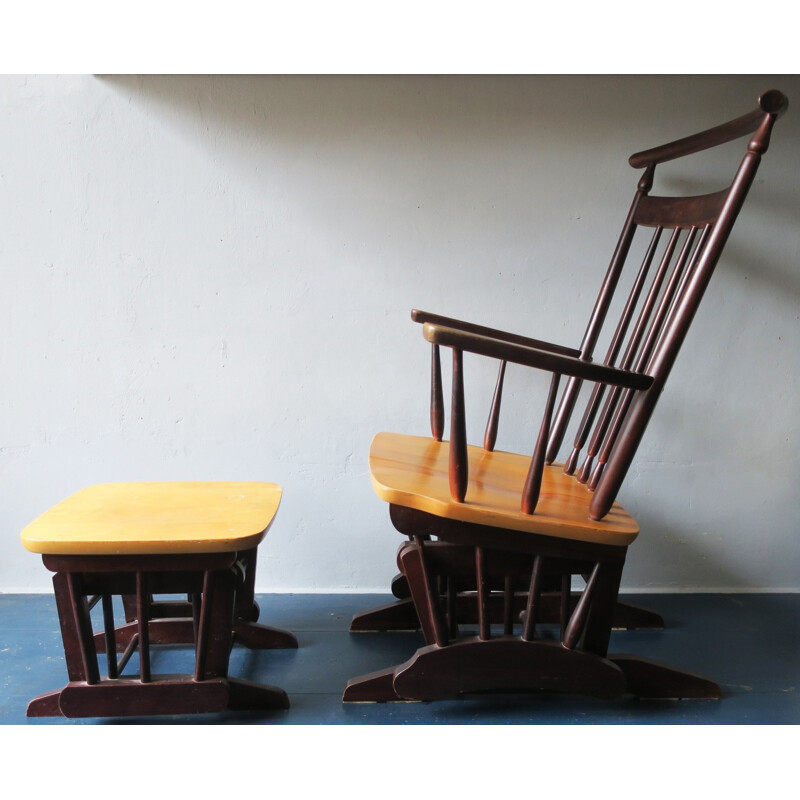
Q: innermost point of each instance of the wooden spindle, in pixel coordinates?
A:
(533, 483)
(667, 301)
(572, 461)
(588, 465)
(672, 296)
(484, 617)
(143, 615)
(508, 605)
(109, 636)
(437, 398)
(459, 464)
(432, 598)
(672, 292)
(577, 622)
(586, 425)
(83, 629)
(490, 436)
(593, 406)
(537, 573)
(452, 607)
(195, 600)
(566, 596)
(597, 472)
(599, 312)
(628, 358)
(129, 651)
(201, 647)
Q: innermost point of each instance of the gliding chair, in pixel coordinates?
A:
(489, 533)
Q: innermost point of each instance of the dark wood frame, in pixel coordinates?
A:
(220, 588)
(447, 565)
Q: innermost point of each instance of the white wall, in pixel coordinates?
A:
(211, 278)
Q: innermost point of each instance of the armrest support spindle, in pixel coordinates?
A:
(490, 436)
(533, 483)
(459, 464)
(437, 399)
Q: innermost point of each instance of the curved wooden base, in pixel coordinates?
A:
(398, 616)
(498, 665)
(254, 636)
(247, 695)
(649, 679)
(509, 664)
(45, 705)
(505, 664)
(167, 695)
(374, 687)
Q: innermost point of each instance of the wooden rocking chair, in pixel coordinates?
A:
(490, 533)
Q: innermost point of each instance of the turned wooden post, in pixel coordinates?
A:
(459, 464)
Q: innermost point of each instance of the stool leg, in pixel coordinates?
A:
(216, 625)
(82, 629)
(110, 636)
(76, 636)
(246, 608)
(143, 615)
(70, 635)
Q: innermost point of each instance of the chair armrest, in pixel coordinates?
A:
(457, 324)
(772, 103)
(533, 356)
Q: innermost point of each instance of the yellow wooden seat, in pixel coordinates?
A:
(156, 518)
(412, 471)
(138, 540)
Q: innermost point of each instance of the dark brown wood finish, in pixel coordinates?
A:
(490, 435)
(437, 398)
(176, 621)
(533, 483)
(219, 589)
(459, 465)
(521, 579)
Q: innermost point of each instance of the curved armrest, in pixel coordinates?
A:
(533, 357)
(772, 104)
(457, 324)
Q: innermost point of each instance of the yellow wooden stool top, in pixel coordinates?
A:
(156, 518)
(412, 471)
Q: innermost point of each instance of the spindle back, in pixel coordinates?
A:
(686, 238)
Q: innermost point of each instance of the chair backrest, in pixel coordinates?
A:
(686, 238)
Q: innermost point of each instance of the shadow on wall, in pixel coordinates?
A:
(470, 141)
(685, 560)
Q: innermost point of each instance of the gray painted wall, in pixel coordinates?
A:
(211, 278)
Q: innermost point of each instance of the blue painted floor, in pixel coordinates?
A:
(748, 643)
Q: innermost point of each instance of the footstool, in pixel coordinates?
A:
(137, 540)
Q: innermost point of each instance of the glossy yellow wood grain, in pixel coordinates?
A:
(156, 518)
(412, 471)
